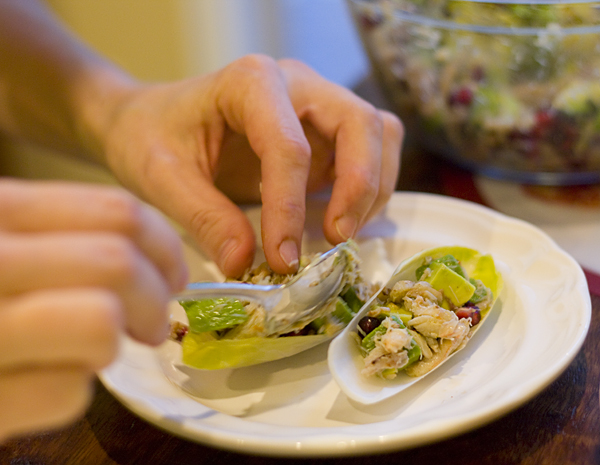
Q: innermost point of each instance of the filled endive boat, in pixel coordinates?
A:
(429, 310)
(227, 332)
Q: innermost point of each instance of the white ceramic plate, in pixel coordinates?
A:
(292, 407)
(575, 227)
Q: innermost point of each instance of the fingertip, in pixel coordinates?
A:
(235, 257)
(182, 278)
(346, 226)
(154, 338)
(283, 258)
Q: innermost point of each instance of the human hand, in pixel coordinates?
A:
(79, 265)
(258, 129)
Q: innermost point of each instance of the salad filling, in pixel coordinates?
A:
(415, 325)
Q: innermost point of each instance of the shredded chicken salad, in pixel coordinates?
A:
(414, 325)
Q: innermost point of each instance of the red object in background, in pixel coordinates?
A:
(460, 184)
(593, 280)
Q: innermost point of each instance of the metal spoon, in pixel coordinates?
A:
(286, 304)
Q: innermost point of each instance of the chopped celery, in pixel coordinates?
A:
(352, 299)
(368, 342)
(414, 353)
(318, 323)
(343, 311)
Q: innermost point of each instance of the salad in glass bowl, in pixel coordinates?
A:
(508, 89)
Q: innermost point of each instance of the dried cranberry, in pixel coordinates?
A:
(179, 332)
(469, 312)
(368, 324)
(463, 96)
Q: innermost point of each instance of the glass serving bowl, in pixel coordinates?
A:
(507, 89)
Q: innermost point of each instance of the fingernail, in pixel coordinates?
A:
(346, 226)
(288, 251)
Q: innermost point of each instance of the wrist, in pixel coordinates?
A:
(97, 98)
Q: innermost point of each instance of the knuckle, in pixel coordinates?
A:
(366, 182)
(371, 118)
(289, 208)
(254, 65)
(295, 65)
(394, 125)
(299, 149)
(258, 61)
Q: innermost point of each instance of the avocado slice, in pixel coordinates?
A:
(455, 288)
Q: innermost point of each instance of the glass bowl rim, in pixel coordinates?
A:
(551, 29)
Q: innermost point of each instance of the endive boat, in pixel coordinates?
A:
(227, 332)
(429, 310)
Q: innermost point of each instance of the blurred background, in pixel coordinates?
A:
(159, 40)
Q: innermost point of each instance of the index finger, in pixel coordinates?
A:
(269, 121)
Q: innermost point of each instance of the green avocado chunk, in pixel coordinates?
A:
(454, 287)
(449, 260)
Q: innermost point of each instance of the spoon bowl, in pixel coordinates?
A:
(286, 305)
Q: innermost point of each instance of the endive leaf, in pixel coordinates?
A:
(198, 352)
(344, 356)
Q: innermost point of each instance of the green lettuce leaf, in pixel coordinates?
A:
(214, 314)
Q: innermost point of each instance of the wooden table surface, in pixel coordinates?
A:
(561, 425)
